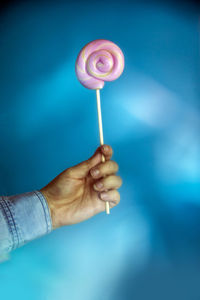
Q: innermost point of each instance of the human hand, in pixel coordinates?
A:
(72, 196)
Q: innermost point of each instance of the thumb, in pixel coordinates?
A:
(81, 170)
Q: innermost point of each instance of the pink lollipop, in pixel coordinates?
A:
(99, 61)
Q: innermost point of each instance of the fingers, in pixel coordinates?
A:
(103, 169)
(81, 170)
(107, 151)
(112, 196)
(96, 158)
(109, 182)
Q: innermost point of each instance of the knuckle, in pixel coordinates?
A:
(113, 165)
(113, 180)
(110, 164)
(69, 172)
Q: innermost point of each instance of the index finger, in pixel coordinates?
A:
(107, 151)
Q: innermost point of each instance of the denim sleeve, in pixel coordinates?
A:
(23, 217)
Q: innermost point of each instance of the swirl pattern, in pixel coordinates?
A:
(99, 61)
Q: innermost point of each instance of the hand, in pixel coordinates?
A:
(72, 196)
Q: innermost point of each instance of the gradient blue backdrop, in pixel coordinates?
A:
(149, 247)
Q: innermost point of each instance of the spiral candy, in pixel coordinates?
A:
(99, 61)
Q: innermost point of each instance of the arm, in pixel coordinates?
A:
(23, 218)
(72, 197)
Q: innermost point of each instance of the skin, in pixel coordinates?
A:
(73, 197)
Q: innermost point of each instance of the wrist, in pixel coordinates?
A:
(49, 201)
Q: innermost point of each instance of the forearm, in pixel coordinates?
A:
(23, 217)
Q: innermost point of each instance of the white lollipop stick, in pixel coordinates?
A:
(101, 136)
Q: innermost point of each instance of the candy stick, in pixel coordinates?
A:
(101, 135)
(97, 62)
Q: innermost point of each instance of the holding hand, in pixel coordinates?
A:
(80, 192)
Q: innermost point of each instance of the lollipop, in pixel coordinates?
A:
(97, 62)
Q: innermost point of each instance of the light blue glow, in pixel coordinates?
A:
(148, 248)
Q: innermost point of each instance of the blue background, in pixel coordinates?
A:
(149, 247)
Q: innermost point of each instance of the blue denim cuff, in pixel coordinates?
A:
(28, 217)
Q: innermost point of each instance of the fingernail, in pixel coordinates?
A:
(94, 172)
(98, 185)
(105, 148)
(104, 196)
